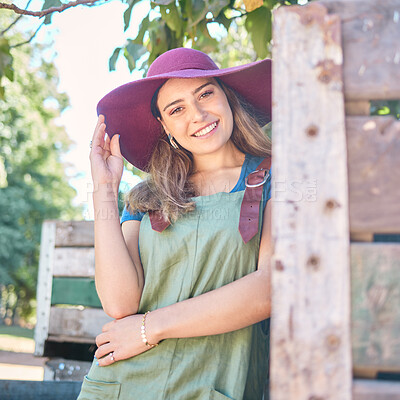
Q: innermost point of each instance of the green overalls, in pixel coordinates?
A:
(202, 251)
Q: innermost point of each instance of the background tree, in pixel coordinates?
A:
(33, 183)
(168, 24)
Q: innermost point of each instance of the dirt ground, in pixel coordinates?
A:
(17, 361)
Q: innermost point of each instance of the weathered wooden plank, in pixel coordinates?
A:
(75, 322)
(375, 293)
(44, 285)
(75, 233)
(373, 145)
(364, 389)
(43, 390)
(310, 324)
(74, 261)
(370, 32)
(357, 107)
(75, 291)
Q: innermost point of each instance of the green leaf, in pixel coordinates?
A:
(163, 2)
(173, 19)
(143, 28)
(48, 4)
(216, 6)
(196, 10)
(128, 13)
(113, 59)
(6, 59)
(223, 20)
(258, 24)
(204, 41)
(132, 53)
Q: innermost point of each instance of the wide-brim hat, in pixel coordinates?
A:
(127, 109)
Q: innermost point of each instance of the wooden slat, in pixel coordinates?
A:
(370, 33)
(375, 292)
(75, 233)
(75, 291)
(364, 389)
(86, 323)
(357, 107)
(310, 323)
(73, 261)
(34, 390)
(44, 284)
(373, 145)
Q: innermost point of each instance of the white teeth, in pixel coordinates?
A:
(206, 130)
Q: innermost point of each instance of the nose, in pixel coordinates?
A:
(198, 113)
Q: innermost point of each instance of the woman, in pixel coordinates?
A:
(187, 274)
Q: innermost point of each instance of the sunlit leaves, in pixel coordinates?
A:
(186, 23)
(113, 59)
(171, 15)
(251, 5)
(6, 60)
(128, 13)
(132, 53)
(32, 175)
(258, 24)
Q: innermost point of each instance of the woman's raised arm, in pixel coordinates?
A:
(118, 272)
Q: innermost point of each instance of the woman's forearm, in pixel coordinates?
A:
(118, 282)
(233, 306)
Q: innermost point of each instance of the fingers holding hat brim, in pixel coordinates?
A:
(99, 133)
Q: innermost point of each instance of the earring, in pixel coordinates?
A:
(173, 141)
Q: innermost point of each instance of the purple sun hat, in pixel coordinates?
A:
(127, 109)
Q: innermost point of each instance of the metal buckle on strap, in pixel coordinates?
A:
(266, 175)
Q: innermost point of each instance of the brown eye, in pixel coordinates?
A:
(206, 94)
(175, 110)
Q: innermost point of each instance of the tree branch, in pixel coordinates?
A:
(50, 10)
(27, 41)
(15, 21)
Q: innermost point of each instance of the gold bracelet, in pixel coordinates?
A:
(143, 331)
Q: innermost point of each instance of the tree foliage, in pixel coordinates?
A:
(33, 184)
(174, 23)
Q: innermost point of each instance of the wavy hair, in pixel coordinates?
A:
(168, 188)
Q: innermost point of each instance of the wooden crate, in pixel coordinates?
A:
(336, 294)
(69, 313)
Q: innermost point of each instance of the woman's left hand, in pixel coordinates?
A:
(120, 339)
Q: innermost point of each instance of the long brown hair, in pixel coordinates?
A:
(168, 188)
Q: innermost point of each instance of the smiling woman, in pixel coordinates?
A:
(191, 307)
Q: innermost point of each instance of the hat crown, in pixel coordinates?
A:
(181, 59)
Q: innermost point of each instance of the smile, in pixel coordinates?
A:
(206, 130)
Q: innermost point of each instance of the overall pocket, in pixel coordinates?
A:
(98, 390)
(215, 395)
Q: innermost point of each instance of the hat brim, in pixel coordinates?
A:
(127, 108)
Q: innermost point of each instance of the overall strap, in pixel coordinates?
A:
(158, 223)
(250, 209)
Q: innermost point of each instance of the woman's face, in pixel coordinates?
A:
(196, 113)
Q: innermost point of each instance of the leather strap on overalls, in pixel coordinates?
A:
(250, 208)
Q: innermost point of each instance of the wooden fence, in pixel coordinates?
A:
(336, 171)
(69, 311)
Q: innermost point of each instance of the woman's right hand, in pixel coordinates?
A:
(105, 156)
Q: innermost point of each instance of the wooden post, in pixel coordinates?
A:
(310, 324)
(44, 286)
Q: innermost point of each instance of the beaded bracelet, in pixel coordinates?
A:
(143, 331)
